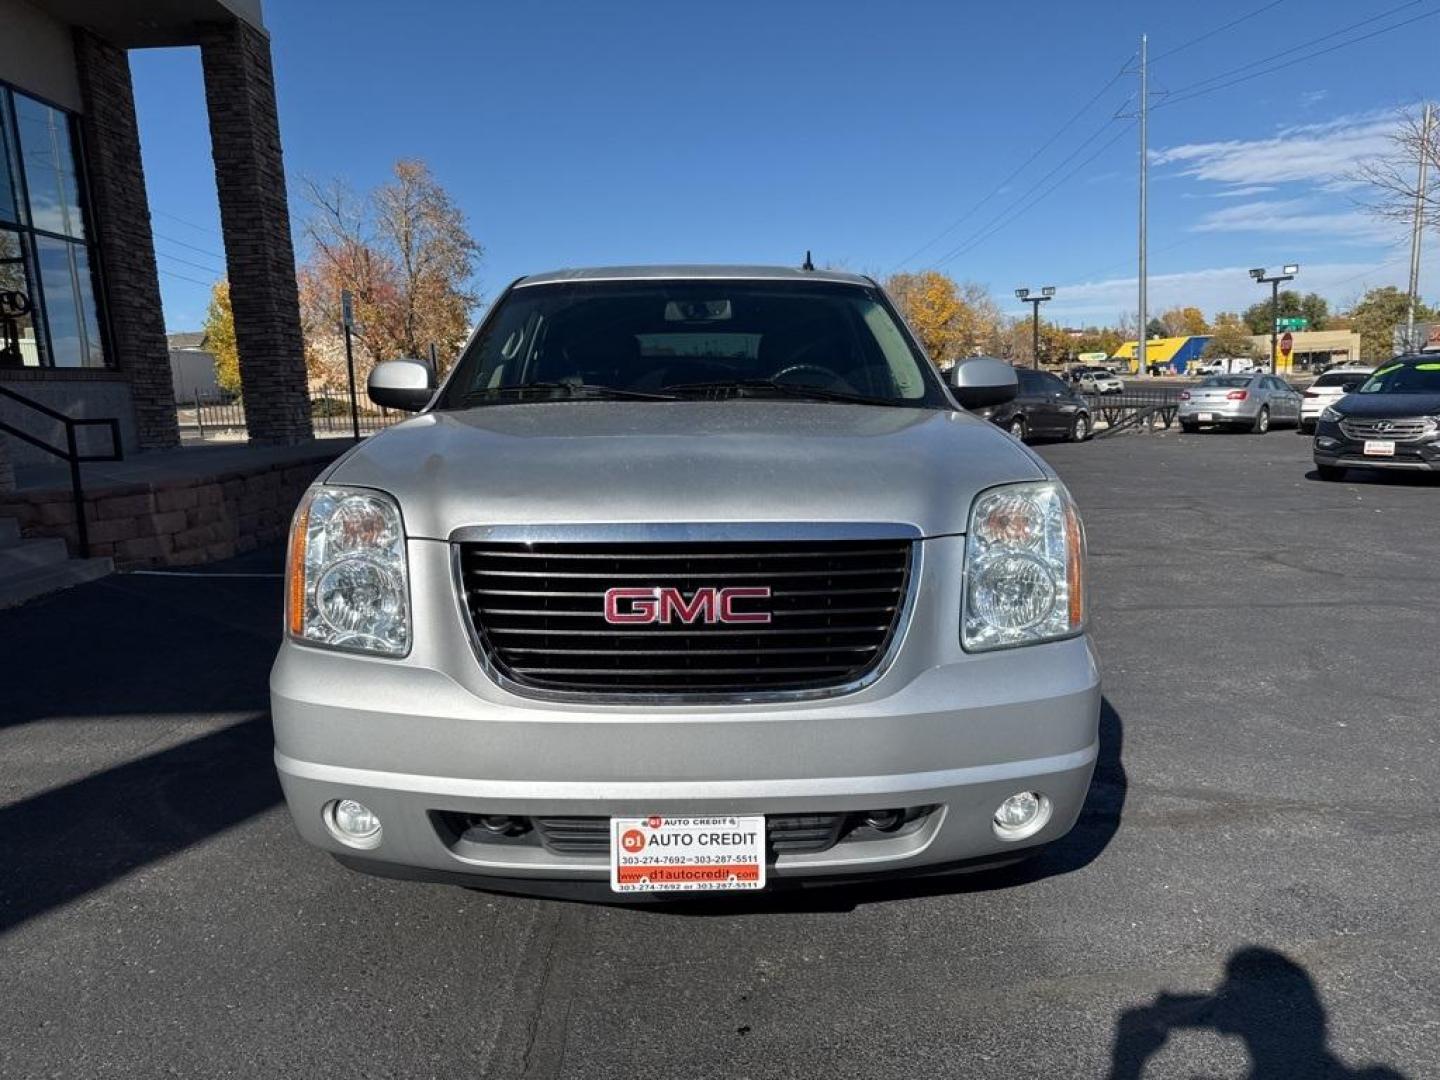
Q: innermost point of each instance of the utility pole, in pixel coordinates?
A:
(1141, 348)
(347, 323)
(1417, 229)
(1047, 293)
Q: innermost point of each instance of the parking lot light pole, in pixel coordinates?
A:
(1291, 269)
(1047, 293)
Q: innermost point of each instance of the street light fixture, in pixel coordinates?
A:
(1047, 293)
(1275, 281)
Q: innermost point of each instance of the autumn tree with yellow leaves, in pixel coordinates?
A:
(951, 320)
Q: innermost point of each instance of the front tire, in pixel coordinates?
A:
(1189, 427)
(1262, 421)
(1305, 427)
(1080, 427)
(1016, 427)
(1330, 472)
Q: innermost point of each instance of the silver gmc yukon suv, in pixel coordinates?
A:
(686, 578)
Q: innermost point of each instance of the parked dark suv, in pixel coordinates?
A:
(1047, 407)
(1392, 421)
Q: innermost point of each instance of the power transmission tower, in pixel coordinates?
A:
(1418, 227)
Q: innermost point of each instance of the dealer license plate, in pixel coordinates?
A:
(1380, 447)
(686, 854)
(1204, 416)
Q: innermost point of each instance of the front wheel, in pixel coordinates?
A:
(1189, 427)
(1016, 427)
(1305, 427)
(1262, 422)
(1080, 428)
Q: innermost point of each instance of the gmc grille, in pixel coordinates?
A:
(538, 612)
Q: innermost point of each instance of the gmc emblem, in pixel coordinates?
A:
(665, 605)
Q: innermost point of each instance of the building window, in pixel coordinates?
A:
(49, 316)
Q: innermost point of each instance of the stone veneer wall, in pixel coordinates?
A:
(116, 183)
(178, 522)
(254, 216)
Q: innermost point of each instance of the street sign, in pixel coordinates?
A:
(347, 309)
(1292, 322)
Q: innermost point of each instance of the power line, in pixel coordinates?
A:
(1230, 78)
(1000, 225)
(1218, 30)
(1017, 171)
(188, 224)
(193, 247)
(187, 262)
(182, 277)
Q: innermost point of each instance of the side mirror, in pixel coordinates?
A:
(982, 381)
(407, 385)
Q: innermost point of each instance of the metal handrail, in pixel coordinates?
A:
(71, 453)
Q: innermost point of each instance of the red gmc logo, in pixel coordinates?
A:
(666, 605)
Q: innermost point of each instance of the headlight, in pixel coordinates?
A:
(1329, 415)
(1024, 568)
(347, 586)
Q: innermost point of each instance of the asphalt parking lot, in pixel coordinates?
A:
(1254, 888)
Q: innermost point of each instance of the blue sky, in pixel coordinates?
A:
(581, 133)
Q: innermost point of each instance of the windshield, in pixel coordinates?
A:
(1230, 381)
(1340, 378)
(679, 339)
(1416, 378)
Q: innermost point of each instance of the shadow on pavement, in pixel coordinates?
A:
(1267, 1000)
(1392, 477)
(64, 843)
(148, 653)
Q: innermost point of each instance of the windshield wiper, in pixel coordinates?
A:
(545, 391)
(781, 389)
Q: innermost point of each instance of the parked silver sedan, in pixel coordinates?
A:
(1253, 402)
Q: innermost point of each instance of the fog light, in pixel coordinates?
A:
(1022, 814)
(353, 823)
(884, 820)
(501, 824)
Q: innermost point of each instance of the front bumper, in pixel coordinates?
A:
(418, 737)
(1333, 448)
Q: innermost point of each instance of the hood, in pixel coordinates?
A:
(686, 462)
(1388, 405)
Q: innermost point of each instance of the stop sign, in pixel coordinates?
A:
(1287, 342)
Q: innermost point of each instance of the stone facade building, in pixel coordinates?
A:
(81, 326)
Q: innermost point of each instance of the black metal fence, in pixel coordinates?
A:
(1135, 408)
(224, 417)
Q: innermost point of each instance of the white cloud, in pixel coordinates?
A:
(1240, 192)
(1300, 217)
(1306, 153)
(1227, 288)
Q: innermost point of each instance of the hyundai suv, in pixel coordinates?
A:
(686, 579)
(1391, 421)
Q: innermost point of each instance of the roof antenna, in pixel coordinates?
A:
(807, 264)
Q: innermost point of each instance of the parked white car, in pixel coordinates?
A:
(1326, 390)
(1225, 365)
(1098, 381)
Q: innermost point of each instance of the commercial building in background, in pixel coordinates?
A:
(81, 327)
(1175, 353)
(1310, 350)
